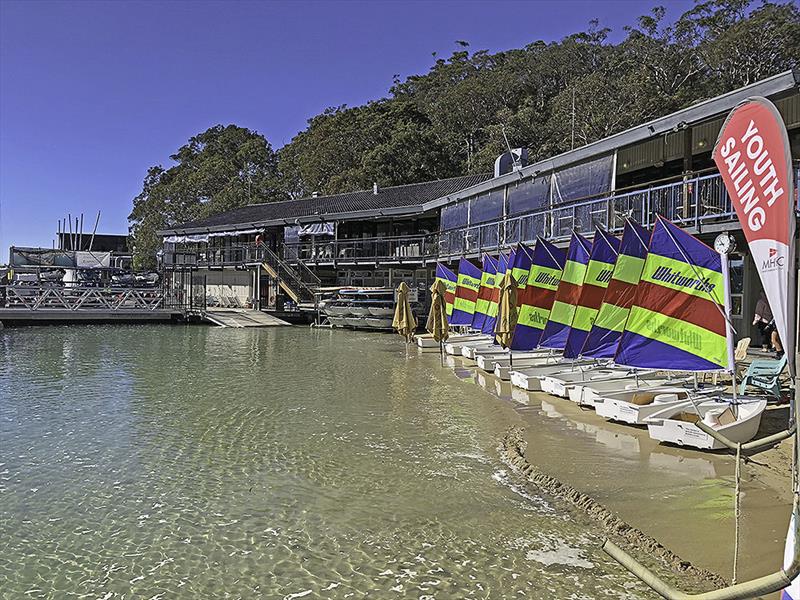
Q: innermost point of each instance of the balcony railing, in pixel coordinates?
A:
(402, 248)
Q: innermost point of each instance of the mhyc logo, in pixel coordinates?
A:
(773, 261)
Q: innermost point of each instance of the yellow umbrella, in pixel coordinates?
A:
(404, 321)
(507, 312)
(437, 324)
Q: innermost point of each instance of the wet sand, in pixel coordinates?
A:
(681, 497)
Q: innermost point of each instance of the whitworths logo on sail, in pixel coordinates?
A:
(673, 277)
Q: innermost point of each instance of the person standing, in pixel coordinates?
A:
(764, 321)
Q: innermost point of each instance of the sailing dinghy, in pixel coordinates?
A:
(678, 322)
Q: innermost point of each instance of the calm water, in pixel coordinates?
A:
(194, 462)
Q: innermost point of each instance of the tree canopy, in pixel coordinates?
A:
(456, 118)
(217, 170)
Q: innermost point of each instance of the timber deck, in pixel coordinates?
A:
(242, 317)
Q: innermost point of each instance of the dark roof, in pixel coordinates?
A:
(397, 200)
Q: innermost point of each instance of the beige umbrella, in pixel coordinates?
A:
(404, 321)
(507, 312)
(437, 324)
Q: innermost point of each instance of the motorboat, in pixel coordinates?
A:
(737, 419)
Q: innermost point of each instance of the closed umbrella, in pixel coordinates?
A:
(507, 312)
(404, 321)
(437, 324)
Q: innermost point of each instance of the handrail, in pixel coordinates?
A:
(284, 270)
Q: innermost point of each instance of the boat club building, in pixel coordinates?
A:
(262, 255)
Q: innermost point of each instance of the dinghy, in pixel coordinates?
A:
(634, 406)
(587, 394)
(739, 422)
(337, 321)
(378, 322)
(559, 384)
(359, 310)
(337, 310)
(679, 321)
(356, 322)
(382, 312)
(426, 340)
(503, 368)
(489, 361)
(530, 378)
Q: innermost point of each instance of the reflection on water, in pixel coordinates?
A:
(193, 462)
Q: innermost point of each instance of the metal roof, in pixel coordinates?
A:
(677, 121)
(396, 200)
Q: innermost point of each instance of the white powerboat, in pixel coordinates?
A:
(737, 420)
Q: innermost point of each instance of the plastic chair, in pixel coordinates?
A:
(765, 374)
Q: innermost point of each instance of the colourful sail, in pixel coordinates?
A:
(598, 274)
(537, 298)
(676, 320)
(607, 329)
(485, 292)
(468, 284)
(448, 278)
(523, 259)
(569, 290)
(491, 317)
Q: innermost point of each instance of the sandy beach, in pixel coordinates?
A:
(682, 497)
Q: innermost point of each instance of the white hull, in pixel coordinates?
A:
(378, 323)
(586, 393)
(381, 312)
(472, 351)
(337, 311)
(355, 322)
(619, 406)
(337, 321)
(426, 340)
(359, 311)
(455, 344)
(663, 426)
(559, 384)
(489, 361)
(530, 378)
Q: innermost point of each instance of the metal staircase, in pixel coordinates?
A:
(299, 282)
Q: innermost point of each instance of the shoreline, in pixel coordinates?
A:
(677, 499)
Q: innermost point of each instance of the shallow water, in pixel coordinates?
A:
(189, 462)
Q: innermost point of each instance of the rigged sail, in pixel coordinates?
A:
(503, 263)
(448, 278)
(607, 329)
(468, 284)
(485, 292)
(598, 274)
(523, 259)
(569, 290)
(676, 320)
(537, 297)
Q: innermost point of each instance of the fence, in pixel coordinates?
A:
(52, 296)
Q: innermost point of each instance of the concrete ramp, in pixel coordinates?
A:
(242, 317)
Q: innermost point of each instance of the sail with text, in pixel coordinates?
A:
(607, 329)
(569, 290)
(537, 298)
(486, 290)
(676, 321)
(468, 284)
(598, 274)
(522, 265)
(503, 263)
(448, 278)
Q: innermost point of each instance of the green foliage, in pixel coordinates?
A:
(217, 170)
(548, 97)
(455, 119)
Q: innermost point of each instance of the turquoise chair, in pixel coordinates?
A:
(765, 374)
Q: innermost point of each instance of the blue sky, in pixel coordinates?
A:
(93, 93)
